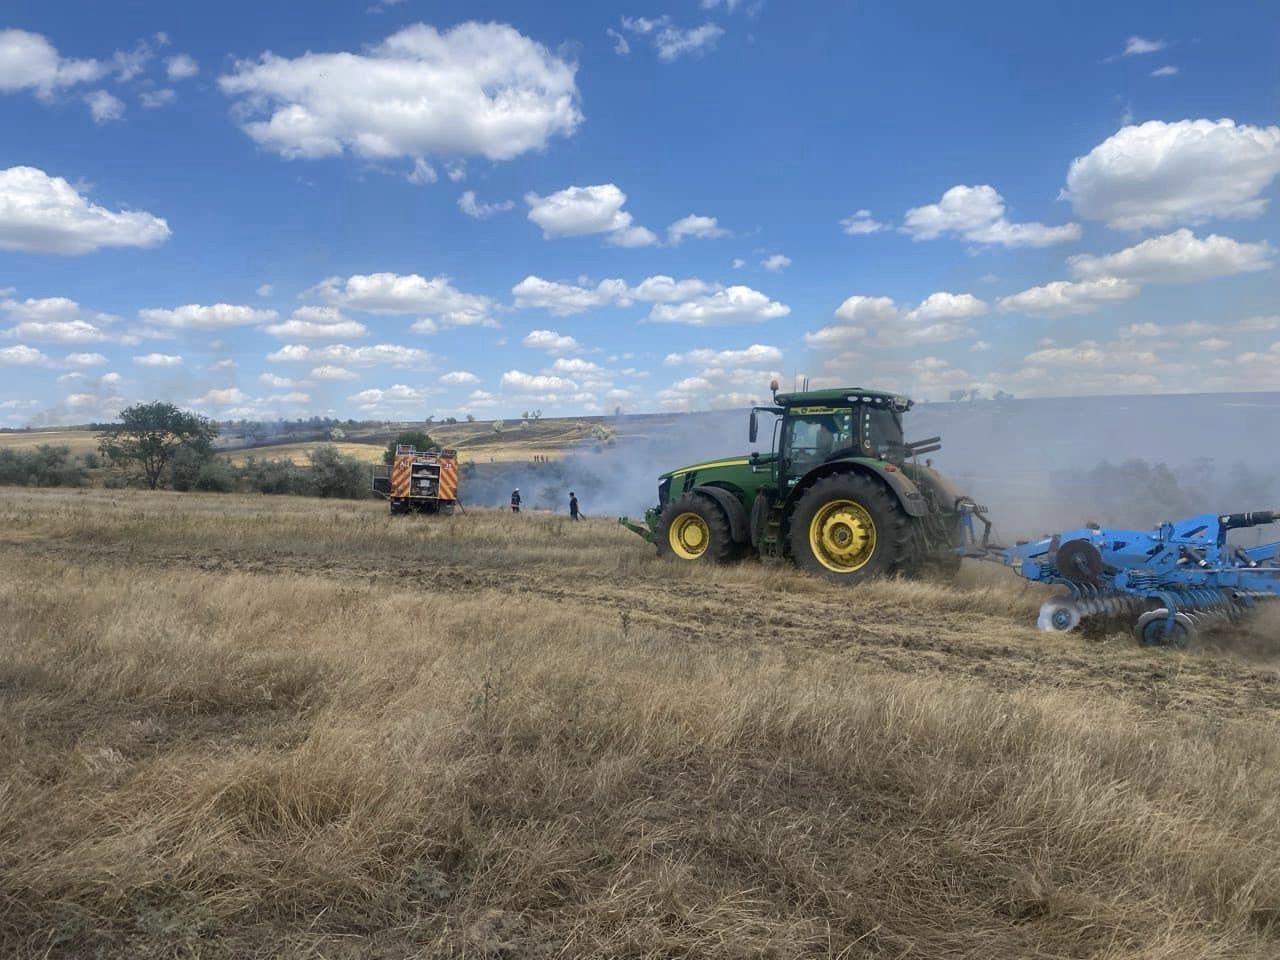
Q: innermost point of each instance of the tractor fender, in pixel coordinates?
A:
(733, 509)
(909, 496)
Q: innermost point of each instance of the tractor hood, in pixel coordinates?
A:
(706, 465)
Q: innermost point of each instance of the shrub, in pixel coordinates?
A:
(217, 475)
(274, 476)
(185, 468)
(334, 474)
(45, 466)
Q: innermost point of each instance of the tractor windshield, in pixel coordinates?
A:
(882, 434)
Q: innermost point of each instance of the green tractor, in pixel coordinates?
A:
(840, 494)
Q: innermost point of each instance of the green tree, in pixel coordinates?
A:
(418, 439)
(149, 436)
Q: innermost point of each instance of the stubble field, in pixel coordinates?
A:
(236, 726)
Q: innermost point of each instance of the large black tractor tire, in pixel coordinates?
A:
(694, 529)
(849, 529)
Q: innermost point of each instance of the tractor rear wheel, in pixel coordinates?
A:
(694, 528)
(849, 529)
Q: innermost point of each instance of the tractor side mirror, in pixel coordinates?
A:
(753, 431)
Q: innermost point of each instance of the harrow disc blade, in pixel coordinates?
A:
(1058, 616)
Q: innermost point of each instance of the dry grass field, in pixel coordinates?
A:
(237, 726)
(477, 442)
(78, 441)
(297, 452)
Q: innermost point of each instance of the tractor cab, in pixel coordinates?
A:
(819, 426)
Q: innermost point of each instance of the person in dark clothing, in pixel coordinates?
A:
(573, 506)
(515, 500)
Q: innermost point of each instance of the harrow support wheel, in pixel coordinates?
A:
(693, 528)
(848, 529)
(1153, 629)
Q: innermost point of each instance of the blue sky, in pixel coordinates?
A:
(411, 208)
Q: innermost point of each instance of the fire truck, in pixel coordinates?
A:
(421, 481)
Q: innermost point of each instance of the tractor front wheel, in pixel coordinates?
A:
(694, 528)
(849, 529)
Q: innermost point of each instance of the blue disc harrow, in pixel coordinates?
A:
(1169, 583)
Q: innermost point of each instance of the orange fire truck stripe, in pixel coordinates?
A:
(400, 475)
(448, 480)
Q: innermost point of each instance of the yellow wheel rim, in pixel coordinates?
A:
(689, 536)
(842, 536)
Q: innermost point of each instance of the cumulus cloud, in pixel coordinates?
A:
(1165, 71)
(580, 211)
(694, 226)
(44, 214)
(635, 236)
(217, 316)
(620, 44)
(221, 397)
(154, 99)
(1136, 46)
(948, 306)
(55, 320)
(1064, 298)
(28, 61)
(550, 341)
(776, 263)
(576, 366)
(670, 41)
(422, 173)
(565, 299)
(476, 89)
(330, 372)
(756, 354)
(22, 356)
(860, 224)
(455, 377)
(717, 388)
(472, 207)
(316, 323)
(390, 293)
(265, 290)
(158, 360)
(1158, 173)
(674, 42)
(84, 360)
(523, 383)
(104, 107)
(398, 395)
(978, 214)
(1178, 257)
(868, 311)
(181, 66)
(1090, 353)
(1148, 330)
(736, 304)
(941, 317)
(388, 354)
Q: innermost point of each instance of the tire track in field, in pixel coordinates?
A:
(999, 651)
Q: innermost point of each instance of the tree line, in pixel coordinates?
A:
(157, 445)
